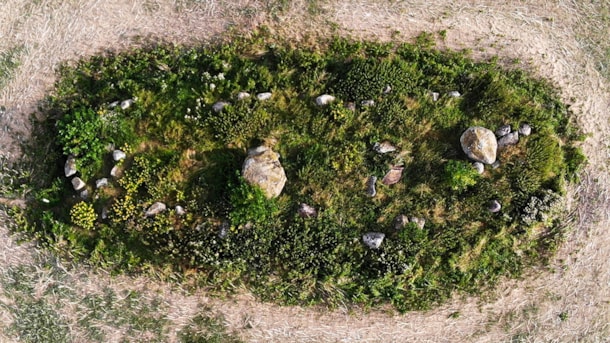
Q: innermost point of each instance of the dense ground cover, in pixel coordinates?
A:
(182, 152)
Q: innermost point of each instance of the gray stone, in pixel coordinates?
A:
(400, 221)
(387, 89)
(155, 209)
(435, 96)
(384, 147)
(454, 94)
(114, 104)
(70, 166)
(115, 172)
(420, 222)
(496, 164)
(263, 96)
(479, 167)
(262, 168)
(503, 130)
(525, 129)
(479, 144)
(306, 211)
(219, 106)
(494, 206)
(367, 103)
(118, 155)
(84, 194)
(392, 176)
(370, 186)
(104, 214)
(373, 240)
(324, 99)
(103, 182)
(125, 104)
(351, 106)
(180, 210)
(509, 139)
(243, 95)
(223, 230)
(78, 184)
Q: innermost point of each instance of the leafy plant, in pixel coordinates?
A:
(460, 175)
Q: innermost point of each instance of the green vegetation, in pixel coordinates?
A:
(180, 151)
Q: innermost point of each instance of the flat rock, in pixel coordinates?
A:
(509, 139)
(503, 130)
(371, 191)
(392, 176)
(306, 211)
(78, 183)
(479, 144)
(70, 166)
(525, 130)
(324, 99)
(373, 240)
(118, 155)
(262, 168)
(384, 147)
(263, 96)
(155, 209)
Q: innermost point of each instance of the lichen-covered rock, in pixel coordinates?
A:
(262, 168)
(392, 176)
(324, 99)
(373, 240)
(371, 191)
(155, 209)
(70, 166)
(479, 144)
(78, 184)
(511, 138)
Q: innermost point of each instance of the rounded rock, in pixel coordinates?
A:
(479, 144)
(479, 167)
(525, 130)
(263, 96)
(118, 155)
(324, 99)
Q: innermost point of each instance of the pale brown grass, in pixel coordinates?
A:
(543, 35)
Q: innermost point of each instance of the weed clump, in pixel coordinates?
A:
(186, 153)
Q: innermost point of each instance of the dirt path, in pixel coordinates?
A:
(572, 303)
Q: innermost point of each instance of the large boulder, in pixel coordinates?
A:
(480, 144)
(262, 168)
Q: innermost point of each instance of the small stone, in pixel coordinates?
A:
(496, 164)
(525, 130)
(387, 89)
(115, 172)
(113, 104)
(454, 94)
(509, 139)
(306, 211)
(125, 104)
(180, 210)
(494, 206)
(420, 222)
(324, 99)
(384, 147)
(373, 240)
(263, 96)
(223, 230)
(367, 103)
(370, 186)
(78, 184)
(393, 176)
(479, 167)
(219, 106)
(118, 155)
(435, 96)
(84, 194)
(400, 222)
(70, 166)
(155, 209)
(503, 130)
(351, 106)
(104, 214)
(243, 95)
(103, 182)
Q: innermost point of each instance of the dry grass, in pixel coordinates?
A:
(556, 40)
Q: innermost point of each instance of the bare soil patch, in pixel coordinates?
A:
(569, 301)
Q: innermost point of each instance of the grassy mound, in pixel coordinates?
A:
(180, 151)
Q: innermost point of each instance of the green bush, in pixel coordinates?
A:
(250, 205)
(83, 215)
(460, 175)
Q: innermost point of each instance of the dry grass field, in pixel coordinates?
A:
(43, 299)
